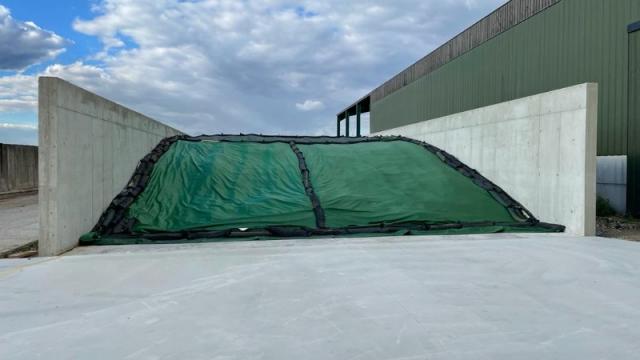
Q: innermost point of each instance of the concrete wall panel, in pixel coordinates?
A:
(18, 168)
(541, 149)
(89, 147)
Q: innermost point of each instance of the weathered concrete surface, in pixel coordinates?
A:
(541, 149)
(89, 147)
(18, 221)
(18, 168)
(460, 297)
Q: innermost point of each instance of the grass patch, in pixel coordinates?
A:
(603, 207)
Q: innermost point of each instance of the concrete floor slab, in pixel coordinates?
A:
(460, 297)
(18, 221)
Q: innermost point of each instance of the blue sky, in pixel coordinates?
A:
(211, 66)
(57, 19)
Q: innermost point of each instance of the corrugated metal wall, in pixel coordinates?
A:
(571, 42)
(502, 19)
(611, 181)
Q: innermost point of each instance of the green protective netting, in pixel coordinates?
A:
(228, 187)
(219, 185)
(394, 182)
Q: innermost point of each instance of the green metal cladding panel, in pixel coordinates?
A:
(572, 42)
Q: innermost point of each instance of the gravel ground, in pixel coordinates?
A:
(618, 227)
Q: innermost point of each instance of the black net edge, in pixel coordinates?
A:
(304, 232)
(114, 220)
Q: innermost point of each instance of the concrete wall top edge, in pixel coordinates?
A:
(92, 103)
(550, 102)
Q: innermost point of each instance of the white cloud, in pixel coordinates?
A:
(233, 66)
(18, 93)
(310, 105)
(24, 43)
(18, 126)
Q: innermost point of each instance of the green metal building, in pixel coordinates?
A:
(524, 48)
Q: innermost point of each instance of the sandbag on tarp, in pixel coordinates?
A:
(226, 186)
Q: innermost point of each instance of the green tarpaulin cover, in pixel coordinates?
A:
(224, 187)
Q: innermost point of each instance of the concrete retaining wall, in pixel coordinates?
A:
(18, 168)
(612, 181)
(88, 148)
(541, 149)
